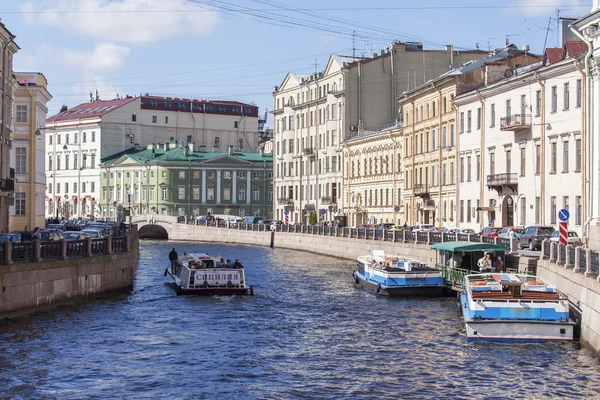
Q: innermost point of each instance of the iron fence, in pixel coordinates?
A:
(435, 237)
(51, 250)
(463, 237)
(2, 255)
(99, 247)
(398, 236)
(475, 238)
(422, 237)
(22, 252)
(503, 242)
(487, 239)
(369, 233)
(582, 261)
(562, 250)
(449, 237)
(570, 261)
(409, 236)
(77, 248)
(378, 234)
(546, 255)
(118, 245)
(555, 252)
(389, 236)
(594, 263)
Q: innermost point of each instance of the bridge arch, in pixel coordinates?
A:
(152, 231)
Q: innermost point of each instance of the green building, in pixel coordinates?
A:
(180, 180)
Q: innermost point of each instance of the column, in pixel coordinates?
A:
(203, 186)
(594, 162)
(218, 188)
(234, 188)
(248, 186)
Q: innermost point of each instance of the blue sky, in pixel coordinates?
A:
(240, 49)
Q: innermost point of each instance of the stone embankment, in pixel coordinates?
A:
(36, 275)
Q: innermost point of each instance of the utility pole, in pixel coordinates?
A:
(353, 44)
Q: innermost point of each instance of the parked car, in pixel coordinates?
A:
(58, 227)
(423, 228)
(490, 232)
(250, 220)
(533, 236)
(104, 229)
(265, 221)
(466, 231)
(398, 228)
(93, 233)
(573, 238)
(75, 235)
(48, 235)
(10, 237)
(505, 232)
(385, 226)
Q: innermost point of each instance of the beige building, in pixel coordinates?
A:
(315, 113)
(8, 48)
(431, 134)
(373, 179)
(79, 137)
(30, 96)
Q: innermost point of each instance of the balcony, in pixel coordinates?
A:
(326, 201)
(503, 183)
(285, 201)
(309, 151)
(516, 122)
(421, 191)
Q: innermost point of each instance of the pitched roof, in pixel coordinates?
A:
(90, 110)
(177, 154)
(575, 48)
(553, 55)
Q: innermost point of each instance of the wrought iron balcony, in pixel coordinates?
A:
(285, 201)
(516, 122)
(421, 190)
(309, 151)
(500, 182)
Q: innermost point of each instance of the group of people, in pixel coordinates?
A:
(222, 263)
(485, 264)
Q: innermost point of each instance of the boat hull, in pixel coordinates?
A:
(398, 291)
(215, 291)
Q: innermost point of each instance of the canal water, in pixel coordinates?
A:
(307, 334)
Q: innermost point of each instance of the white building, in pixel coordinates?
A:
(78, 138)
(521, 161)
(588, 29)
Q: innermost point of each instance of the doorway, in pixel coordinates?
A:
(508, 211)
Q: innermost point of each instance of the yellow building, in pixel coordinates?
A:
(30, 96)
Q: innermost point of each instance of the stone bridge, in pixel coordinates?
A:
(154, 226)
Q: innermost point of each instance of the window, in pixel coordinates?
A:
(468, 210)
(477, 213)
(566, 96)
(66, 187)
(577, 155)
(133, 118)
(66, 161)
(74, 186)
(151, 192)
(20, 160)
(462, 169)
(210, 175)
(469, 169)
(492, 163)
(163, 174)
(565, 156)
(479, 118)
(553, 210)
(240, 144)
(566, 202)
(492, 115)
(451, 135)
(469, 121)
(462, 122)
(553, 156)
(255, 194)
(163, 193)
(537, 210)
(242, 193)
(83, 187)
(554, 99)
(226, 174)
(67, 138)
(523, 161)
(75, 161)
(50, 163)
(508, 108)
(58, 139)
(432, 140)
(538, 103)
(578, 94)
(478, 167)
(444, 174)
(462, 211)
(523, 211)
(58, 162)
(538, 156)
(92, 187)
(93, 163)
(93, 138)
(180, 193)
(577, 210)
(452, 173)
(49, 188)
(210, 192)
(166, 120)
(181, 174)
(50, 139)
(21, 117)
(216, 141)
(227, 193)
(20, 208)
(58, 188)
(255, 175)
(508, 161)
(154, 119)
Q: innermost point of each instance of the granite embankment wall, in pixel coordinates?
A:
(582, 290)
(31, 286)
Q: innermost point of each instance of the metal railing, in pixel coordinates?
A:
(50, 250)
(454, 275)
(570, 261)
(503, 242)
(582, 261)
(594, 261)
(562, 251)
(119, 245)
(546, 255)
(76, 248)
(515, 121)
(22, 252)
(503, 179)
(99, 247)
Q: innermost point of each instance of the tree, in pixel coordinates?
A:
(312, 218)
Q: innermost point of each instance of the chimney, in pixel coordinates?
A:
(230, 149)
(63, 108)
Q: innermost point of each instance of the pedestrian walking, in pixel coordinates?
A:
(173, 258)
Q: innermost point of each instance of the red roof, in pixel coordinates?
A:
(90, 110)
(574, 49)
(553, 55)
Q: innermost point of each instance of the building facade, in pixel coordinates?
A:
(523, 161)
(8, 48)
(30, 96)
(78, 138)
(432, 126)
(175, 179)
(315, 113)
(374, 178)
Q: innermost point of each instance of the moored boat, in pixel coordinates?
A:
(396, 276)
(514, 308)
(206, 275)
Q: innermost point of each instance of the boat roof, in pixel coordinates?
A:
(468, 247)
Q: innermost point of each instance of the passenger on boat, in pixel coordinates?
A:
(499, 265)
(173, 258)
(237, 264)
(485, 263)
(228, 264)
(221, 263)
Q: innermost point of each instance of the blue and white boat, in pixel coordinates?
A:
(396, 276)
(503, 307)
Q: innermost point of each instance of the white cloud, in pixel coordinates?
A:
(536, 8)
(123, 21)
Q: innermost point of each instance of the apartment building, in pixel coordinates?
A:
(78, 138)
(522, 159)
(315, 113)
(431, 134)
(30, 96)
(174, 179)
(8, 48)
(374, 177)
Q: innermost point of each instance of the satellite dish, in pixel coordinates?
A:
(508, 73)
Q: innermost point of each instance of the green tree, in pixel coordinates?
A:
(312, 218)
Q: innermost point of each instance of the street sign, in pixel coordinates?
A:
(397, 208)
(563, 233)
(287, 212)
(563, 215)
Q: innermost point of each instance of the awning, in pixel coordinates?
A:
(309, 207)
(468, 247)
(488, 209)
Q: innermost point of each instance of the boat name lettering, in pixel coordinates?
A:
(519, 310)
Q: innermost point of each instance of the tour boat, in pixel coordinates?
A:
(514, 308)
(396, 276)
(205, 275)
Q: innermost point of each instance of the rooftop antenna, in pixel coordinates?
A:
(316, 65)
(489, 43)
(558, 11)
(353, 44)
(97, 95)
(547, 31)
(91, 97)
(524, 30)
(508, 38)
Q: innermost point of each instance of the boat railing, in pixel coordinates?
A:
(453, 275)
